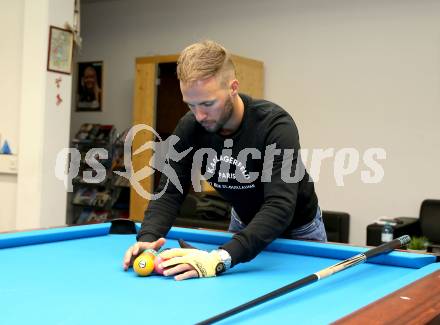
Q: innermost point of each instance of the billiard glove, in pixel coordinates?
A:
(204, 262)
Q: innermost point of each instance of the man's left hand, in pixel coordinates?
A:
(185, 263)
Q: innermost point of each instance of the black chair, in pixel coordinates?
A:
(429, 221)
(337, 226)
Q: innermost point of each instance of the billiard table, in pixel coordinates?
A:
(74, 275)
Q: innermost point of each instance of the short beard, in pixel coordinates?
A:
(227, 113)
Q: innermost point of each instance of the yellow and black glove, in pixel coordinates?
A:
(207, 264)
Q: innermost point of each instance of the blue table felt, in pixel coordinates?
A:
(74, 275)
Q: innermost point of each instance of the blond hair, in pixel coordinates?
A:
(204, 60)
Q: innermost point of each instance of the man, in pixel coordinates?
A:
(255, 166)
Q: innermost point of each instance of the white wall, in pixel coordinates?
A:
(29, 118)
(352, 73)
(43, 125)
(56, 126)
(11, 19)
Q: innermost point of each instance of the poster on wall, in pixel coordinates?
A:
(89, 87)
(59, 58)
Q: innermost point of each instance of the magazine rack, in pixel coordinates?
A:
(108, 199)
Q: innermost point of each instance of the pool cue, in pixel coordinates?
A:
(184, 244)
(357, 259)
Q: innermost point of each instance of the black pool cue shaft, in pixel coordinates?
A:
(184, 244)
(357, 259)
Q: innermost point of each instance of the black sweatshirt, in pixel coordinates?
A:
(262, 190)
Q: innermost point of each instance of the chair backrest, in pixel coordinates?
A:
(430, 220)
(337, 225)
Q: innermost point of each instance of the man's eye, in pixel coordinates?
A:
(209, 104)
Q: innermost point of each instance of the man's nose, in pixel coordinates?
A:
(200, 114)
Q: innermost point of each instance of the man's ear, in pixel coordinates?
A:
(234, 87)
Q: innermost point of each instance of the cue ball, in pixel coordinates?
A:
(143, 265)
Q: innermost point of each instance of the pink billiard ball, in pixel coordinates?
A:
(157, 268)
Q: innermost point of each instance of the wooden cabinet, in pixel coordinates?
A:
(158, 104)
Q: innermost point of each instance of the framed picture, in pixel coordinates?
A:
(89, 87)
(59, 58)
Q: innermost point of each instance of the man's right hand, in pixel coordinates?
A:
(138, 248)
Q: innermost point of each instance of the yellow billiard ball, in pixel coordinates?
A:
(143, 265)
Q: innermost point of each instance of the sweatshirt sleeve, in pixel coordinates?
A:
(161, 213)
(278, 208)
